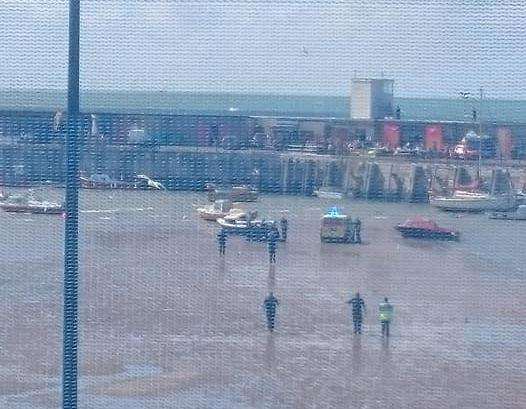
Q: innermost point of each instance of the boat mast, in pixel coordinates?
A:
(479, 165)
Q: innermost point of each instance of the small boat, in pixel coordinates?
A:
(520, 198)
(29, 204)
(237, 218)
(101, 181)
(219, 209)
(519, 214)
(463, 201)
(234, 194)
(336, 227)
(3, 195)
(104, 181)
(245, 223)
(327, 193)
(144, 182)
(420, 227)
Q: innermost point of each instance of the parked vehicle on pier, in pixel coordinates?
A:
(471, 146)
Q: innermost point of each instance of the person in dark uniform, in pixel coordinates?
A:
(358, 309)
(272, 244)
(221, 240)
(357, 231)
(284, 226)
(398, 112)
(385, 310)
(271, 304)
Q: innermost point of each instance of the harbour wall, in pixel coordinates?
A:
(191, 168)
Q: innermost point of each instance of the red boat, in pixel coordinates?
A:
(421, 227)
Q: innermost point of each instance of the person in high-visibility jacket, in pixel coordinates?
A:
(386, 315)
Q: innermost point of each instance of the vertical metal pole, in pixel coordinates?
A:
(70, 324)
(481, 98)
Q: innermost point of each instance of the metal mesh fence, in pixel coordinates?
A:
(236, 249)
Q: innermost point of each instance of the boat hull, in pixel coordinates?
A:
(420, 233)
(233, 197)
(506, 216)
(490, 203)
(211, 217)
(32, 209)
(328, 195)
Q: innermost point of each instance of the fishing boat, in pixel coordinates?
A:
(336, 227)
(519, 214)
(464, 201)
(420, 227)
(28, 203)
(234, 194)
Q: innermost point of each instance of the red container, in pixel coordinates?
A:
(391, 136)
(433, 138)
(505, 142)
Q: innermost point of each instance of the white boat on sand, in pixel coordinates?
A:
(327, 193)
(29, 203)
(219, 209)
(462, 201)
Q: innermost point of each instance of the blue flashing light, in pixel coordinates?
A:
(334, 212)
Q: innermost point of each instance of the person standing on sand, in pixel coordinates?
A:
(386, 315)
(271, 304)
(221, 240)
(358, 231)
(284, 227)
(358, 309)
(272, 244)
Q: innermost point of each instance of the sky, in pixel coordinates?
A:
(431, 48)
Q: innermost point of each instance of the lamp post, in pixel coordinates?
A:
(70, 297)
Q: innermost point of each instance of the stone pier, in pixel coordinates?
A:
(269, 171)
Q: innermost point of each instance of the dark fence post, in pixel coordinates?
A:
(71, 263)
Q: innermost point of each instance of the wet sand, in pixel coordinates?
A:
(166, 323)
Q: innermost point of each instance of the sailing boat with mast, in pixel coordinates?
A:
(501, 197)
